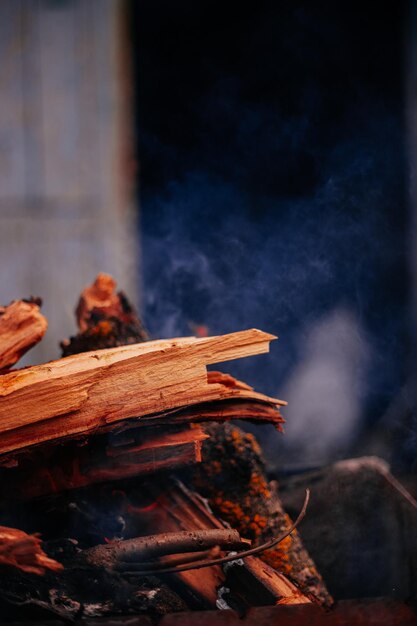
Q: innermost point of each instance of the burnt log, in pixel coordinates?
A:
(233, 478)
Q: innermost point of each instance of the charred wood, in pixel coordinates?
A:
(105, 319)
(230, 458)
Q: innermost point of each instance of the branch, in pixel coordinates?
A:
(135, 568)
(151, 546)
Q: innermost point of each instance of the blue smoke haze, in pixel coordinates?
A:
(272, 183)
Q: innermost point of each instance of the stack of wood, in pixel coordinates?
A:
(118, 415)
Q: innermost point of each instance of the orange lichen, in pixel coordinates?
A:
(246, 509)
(103, 328)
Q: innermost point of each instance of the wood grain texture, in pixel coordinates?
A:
(22, 326)
(52, 469)
(82, 393)
(22, 551)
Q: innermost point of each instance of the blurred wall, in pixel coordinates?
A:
(65, 154)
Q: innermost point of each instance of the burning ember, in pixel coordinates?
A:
(124, 457)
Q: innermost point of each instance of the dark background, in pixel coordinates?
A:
(272, 190)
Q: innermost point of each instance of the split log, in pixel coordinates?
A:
(82, 393)
(53, 469)
(24, 552)
(21, 327)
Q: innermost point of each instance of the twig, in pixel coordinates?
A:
(172, 560)
(135, 568)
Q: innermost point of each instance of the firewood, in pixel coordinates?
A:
(105, 319)
(230, 558)
(121, 554)
(48, 470)
(179, 508)
(255, 410)
(85, 392)
(232, 457)
(100, 295)
(24, 552)
(21, 327)
(261, 583)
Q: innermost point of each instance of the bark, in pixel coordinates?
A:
(105, 319)
(233, 478)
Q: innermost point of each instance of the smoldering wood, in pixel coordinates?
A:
(246, 553)
(22, 326)
(52, 469)
(178, 506)
(137, 409)
(81, 590)
(231, 456)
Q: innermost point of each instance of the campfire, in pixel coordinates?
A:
(127, 488)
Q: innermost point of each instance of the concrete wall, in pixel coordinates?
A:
(66, 166)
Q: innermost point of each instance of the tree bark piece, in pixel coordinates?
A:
(22, 551)
(84, 392)
(21, 327)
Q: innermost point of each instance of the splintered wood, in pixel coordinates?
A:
(24, 552)
(90, 447)
(87, 392)
(54, 469)
(21, 327)
(179, 508)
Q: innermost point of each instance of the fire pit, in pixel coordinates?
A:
(148, 499)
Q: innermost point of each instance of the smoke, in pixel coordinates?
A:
(325, 392)
(272, 197)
